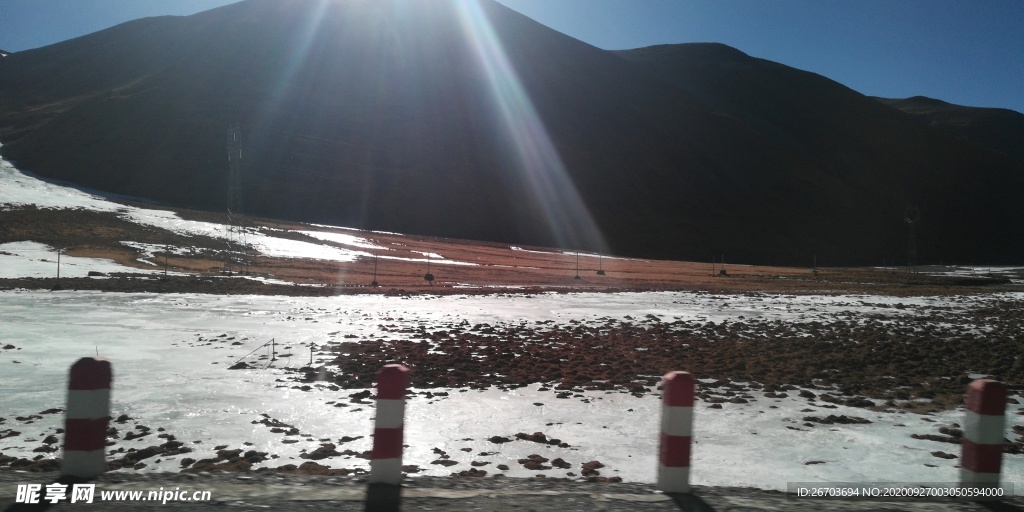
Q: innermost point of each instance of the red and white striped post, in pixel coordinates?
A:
(676, 432)
(984, 428)
(386, 457)
(86, 418)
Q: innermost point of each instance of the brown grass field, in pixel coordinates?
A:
(495, 267)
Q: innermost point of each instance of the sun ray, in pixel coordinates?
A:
(539, 165)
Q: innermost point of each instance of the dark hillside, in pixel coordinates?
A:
(877, 161)
(397, 116)
(998, 129)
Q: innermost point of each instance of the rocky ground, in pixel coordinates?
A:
(876, 362)
(879, 362)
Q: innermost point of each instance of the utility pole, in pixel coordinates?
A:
(428, 277)
(577, 265)
(911, 216)
(374, 283)
(236, 223)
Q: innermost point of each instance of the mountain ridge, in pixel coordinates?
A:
(998, 129)
(355, 116)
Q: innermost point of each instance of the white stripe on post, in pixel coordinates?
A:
(676, 432)
(984, 427)
(86, 418)
(386, 457)
(390, 413)
(87, 404)
(677, 421)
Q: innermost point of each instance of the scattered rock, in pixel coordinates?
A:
(859, 402)
(933, 437)
(832, 419)
(534, 462)
(472, 472)
(325, 450)
(952, 432)
(591, 468)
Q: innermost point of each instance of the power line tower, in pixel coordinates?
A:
(911, 216)
(237, 243)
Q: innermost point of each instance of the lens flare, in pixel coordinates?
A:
(540, 167)
(304, 39)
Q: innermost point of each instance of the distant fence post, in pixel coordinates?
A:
(86, 418)
(386, 457)
(676, 432)
(984, 428)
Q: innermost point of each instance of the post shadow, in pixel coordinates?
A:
(383, 498)
(689, 502)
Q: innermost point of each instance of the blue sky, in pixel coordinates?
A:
(967, 52)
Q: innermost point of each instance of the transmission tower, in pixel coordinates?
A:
(911, 216)
(237, 242)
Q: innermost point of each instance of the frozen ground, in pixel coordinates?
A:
(1014, 274)
(171, 353)
(31, 259)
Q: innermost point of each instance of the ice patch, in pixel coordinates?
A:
(162, 347)
(344, 239)
(33, 259)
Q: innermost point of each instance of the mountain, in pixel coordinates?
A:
(998, 129)
(472, 121)
(880, 163)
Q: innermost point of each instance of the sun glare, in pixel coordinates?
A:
(294, 61)
(538, 162)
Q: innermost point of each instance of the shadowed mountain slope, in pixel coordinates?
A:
(999, 129)
(382, 115)
(873, 161)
